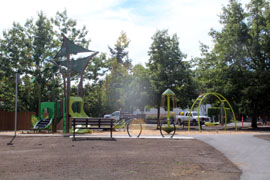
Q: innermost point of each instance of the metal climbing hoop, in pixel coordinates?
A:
(221, 99)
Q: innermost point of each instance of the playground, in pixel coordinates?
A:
(128, 148)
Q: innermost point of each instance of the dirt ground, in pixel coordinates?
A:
(62, 158)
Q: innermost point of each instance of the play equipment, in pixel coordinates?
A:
(76, 107)
(73, 106)
(221, 99)
(47, 114)
(68, 48)
(45, 121)
(170, 125)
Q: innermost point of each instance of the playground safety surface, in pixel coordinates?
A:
(103, 158)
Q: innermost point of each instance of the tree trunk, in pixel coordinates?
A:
(254, 117)
(254, 121)
(158, 117)
(158, 114)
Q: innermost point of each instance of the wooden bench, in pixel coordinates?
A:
(92, 123)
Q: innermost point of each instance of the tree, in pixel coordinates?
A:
(166, 66)
(224, 69)
(259, 59)
(238, 65)
(27, 49)
(14, 58)
(119, 51)
(137, 90)
(114, 86)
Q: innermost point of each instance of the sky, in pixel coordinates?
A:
(191, 20)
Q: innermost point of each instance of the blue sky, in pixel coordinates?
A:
(191, 20)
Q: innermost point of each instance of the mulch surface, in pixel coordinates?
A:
(62, 158)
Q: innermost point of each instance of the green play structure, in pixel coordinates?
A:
(76, 107)
(44, 121)
(71, 106)
(46, 115)
(221, 99)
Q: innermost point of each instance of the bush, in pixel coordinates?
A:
(215, 111)
(34, 120)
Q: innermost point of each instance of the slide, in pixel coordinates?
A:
(43, 124)
(46, 116)
(47, 112)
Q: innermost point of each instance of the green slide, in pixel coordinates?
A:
(44, 122)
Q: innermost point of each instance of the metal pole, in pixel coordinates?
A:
(16, 107)
(168, 109)
(16, 104)
(68, 83)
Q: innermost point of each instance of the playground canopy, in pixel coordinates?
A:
(77, 65)
(70, 48)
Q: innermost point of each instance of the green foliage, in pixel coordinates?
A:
(137, 90)
(26, 49)
(119, 52)
(168, 70)
(238, 65)
(94, 100)
(216, 112)
(114, 87)
(34, 120)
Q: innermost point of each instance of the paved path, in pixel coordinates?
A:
(250, 154)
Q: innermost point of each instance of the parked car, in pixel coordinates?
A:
(120, 115)
(115, 115)
(182, 119)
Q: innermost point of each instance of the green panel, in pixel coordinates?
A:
(76, 65)
(49, 106)
(73, 49)
(80, 113)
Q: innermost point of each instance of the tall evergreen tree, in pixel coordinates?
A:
(119, 52)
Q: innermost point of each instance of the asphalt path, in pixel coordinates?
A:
(250, 154)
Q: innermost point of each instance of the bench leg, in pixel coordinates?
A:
(73, 130)
(111, 133)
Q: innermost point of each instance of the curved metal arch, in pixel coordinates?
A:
(221, 98)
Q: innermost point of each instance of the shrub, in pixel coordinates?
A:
(215, 112)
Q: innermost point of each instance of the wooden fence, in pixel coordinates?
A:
(23, 121)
